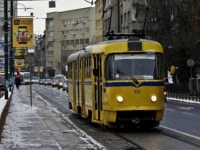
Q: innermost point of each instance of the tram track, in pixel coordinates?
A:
(136, 146)
(133, 144)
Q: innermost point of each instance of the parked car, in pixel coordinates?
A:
(41, 81)
(61, 83)
(35, 80)
(65, 86)
(48, 82)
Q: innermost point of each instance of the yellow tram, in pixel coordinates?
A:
(118, 82)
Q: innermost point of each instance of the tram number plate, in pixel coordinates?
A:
(136, 91)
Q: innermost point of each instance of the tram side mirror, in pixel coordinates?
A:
(95, 72)
(172, 70)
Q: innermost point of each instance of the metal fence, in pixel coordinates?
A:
(182, 91)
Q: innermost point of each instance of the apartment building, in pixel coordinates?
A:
(125, 16)
(99, 20)
(67, 32)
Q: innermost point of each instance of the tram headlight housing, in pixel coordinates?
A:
(120, 99)
(153, 98)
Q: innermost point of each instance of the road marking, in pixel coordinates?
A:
(187, 113)
(58, 97)
(187, 134)
(186, 108)
(170, 109)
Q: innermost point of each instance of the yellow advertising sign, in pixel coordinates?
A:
(35, 69)
(20, 53)
(19, 62)
(41, 69)
(22, 32)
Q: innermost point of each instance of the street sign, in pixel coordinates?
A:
(30, 58)
(41, 69)
(35, 69)
(190, 62)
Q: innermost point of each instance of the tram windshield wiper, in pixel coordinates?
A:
(131, 77)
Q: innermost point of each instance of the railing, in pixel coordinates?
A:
(182, 91)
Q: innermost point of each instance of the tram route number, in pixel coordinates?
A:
(137, 91)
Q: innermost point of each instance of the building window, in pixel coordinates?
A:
(128, 19)
(77, 41)
(63, 32)
(62, 43)
(86, 41)
(62, 22)
(50, 53)
(50, 43)
(50, 22)
(125, 19)
(72, 42)
(81, 41)
(50, 33)
(86, 30)
(50, 63)
(67, 42)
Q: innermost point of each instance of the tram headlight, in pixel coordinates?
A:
(153, 98)
(120, 99)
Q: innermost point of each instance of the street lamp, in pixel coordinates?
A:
(12, 14)
(25, 9)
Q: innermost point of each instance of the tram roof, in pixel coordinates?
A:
(90, 49)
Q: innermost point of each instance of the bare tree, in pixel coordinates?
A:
(175, 24)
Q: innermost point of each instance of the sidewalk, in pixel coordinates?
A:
(40, 127)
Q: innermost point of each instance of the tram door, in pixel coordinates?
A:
(97, 71)
(74, 85)
(78, 83)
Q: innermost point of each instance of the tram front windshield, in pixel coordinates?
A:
(140, 66)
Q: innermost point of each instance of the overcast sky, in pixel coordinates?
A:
(41, 8)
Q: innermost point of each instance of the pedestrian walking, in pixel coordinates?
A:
(18, 80)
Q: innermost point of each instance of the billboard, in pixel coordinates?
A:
(19, 63)
(22, 32)
(20, 53)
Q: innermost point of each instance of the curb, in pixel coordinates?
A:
(5, 104)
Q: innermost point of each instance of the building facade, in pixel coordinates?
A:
(67, 32)
(98, 17)
(39, 52)
(123, 16)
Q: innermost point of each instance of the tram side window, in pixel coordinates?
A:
(89, 67)
(85, 63)
(159, 70)
(109, 72)
(79, 69)
(76, 70)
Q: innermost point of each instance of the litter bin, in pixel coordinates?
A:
(192, 86)
(198, 85)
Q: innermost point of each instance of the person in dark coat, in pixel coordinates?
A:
(18, 80)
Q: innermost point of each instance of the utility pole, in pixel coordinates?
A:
(11, 46)
(6, 46)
